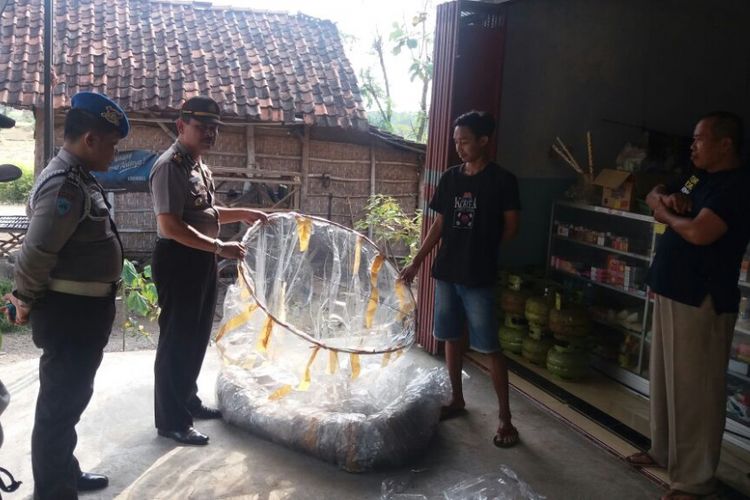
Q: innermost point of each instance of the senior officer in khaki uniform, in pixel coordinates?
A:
(66, 279)
(184, 267)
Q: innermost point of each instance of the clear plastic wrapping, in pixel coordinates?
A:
(314, 341)
(505, 485)
(502, 485)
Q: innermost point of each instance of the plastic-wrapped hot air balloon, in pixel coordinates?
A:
(313, 341)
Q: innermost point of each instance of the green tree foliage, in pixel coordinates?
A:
(413, 38)
(139, 297)
(17, 192)
(391, 226)
(373, 91)
(417, 40)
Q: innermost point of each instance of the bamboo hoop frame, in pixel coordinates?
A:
(242, 270)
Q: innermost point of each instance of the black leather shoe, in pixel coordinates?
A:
(189, 436)
(91, 482)
(205, 413)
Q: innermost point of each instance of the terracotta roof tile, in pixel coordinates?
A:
(151, 55)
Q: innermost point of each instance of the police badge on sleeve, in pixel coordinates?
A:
(63, 205)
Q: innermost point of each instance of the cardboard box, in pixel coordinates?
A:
(618, 188)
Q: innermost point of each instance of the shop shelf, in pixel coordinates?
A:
(742, 327)
(744, 378)
(644, 228)
(635, 382)
(632, 293)
(605, 210)
(617, 327)
(604, 248)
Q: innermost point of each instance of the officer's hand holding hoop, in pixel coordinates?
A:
(230, 249)
(251, 216)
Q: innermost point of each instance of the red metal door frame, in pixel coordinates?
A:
(468, 57)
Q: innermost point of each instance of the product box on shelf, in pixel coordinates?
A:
(738, 405)
(739, 367)
(618, 188)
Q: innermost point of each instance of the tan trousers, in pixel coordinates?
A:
(689, 356)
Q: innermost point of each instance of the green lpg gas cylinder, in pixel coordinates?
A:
(513, 298)
(567, 363)
(535, 350)
(512, 334)
(538, 308)
(569, 322)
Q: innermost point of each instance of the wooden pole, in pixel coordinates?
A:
(372, 180)
(250, 151)
(167, 131)
(49, 113)
(305, 168)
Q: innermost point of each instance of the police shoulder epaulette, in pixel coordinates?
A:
(178, 157)
(43, 179)
(72, 176)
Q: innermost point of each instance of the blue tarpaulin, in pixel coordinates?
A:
(129, 171)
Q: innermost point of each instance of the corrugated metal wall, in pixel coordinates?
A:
(439, 148)
(467, 75)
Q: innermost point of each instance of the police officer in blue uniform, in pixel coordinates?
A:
(66, 279)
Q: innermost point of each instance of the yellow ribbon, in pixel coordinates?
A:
(304, 231)
(248, 363)
(386, 359)
(372, 304)
(280, 392)
(333, 362)
(357, 256)
(405, 307)
(236, 321)
(306, 377)
(354, 358)
(265, 335)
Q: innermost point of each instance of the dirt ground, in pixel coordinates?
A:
(17, 345)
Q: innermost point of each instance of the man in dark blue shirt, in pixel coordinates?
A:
(694, 276)
(477, 206)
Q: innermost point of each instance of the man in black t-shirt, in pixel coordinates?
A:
(694, 276)
(477, 207)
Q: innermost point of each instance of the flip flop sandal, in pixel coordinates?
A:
(449, 412)
(641, 459)
(500, 439)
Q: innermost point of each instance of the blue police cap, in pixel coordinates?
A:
(103, 108)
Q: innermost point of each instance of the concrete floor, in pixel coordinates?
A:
(117, 438)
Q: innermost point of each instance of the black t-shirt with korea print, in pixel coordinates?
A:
(473, 209)
(686, 272)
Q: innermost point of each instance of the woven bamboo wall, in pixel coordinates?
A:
(276, 148)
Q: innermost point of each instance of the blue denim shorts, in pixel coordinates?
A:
(457, 305)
